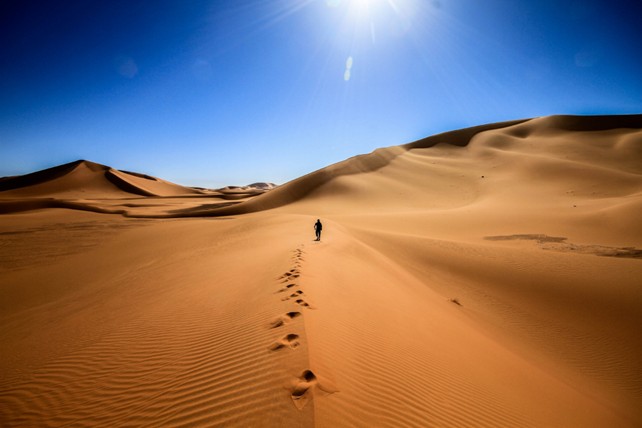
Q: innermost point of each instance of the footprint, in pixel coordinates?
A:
(277, 323)
(302, 388)
(288, 276)
(297, 294)
(287, 287)
(284, 319)
(289, 341)
(303, 303)
(280, 321)
(308, 383)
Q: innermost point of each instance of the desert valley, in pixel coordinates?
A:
(486, 277)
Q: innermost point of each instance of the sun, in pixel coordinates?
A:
(365, 4)
(372, 19)
(372, 6)
(358, 4)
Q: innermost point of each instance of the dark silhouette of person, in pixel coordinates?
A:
(317, 228)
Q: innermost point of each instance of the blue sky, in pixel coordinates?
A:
(212, 93)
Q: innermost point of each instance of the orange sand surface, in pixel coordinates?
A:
(487, 277)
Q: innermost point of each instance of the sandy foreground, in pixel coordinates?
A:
(485, 277)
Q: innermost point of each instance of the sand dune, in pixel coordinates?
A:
(562, 142)
(484, 277)
(88, 186)
(82, 178)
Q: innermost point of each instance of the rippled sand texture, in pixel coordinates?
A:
(485, 277)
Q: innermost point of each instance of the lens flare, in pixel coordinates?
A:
(348, 72)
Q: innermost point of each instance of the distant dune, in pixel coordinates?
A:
(489, 276)
(89, 186)
(83, 178)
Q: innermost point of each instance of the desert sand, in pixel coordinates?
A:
(486, 277)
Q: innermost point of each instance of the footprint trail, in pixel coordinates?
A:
(302, 387)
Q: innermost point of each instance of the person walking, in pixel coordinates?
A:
(317, 228)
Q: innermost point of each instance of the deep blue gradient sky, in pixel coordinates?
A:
(213, 93)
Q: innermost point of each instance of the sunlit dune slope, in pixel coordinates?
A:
(303, 186)
(519, 156)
